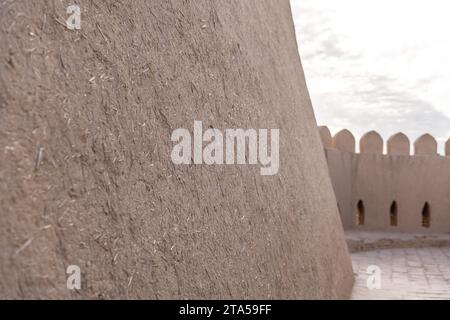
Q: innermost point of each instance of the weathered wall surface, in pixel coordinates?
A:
(101, 103)
(377, 180)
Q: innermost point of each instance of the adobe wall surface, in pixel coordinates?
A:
(379, 179)
(86, 177)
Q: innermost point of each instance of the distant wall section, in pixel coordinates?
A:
(394, 191)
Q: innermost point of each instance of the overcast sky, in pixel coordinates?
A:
(379, 65)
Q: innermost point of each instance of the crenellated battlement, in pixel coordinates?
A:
(372, 143)
(393, 191)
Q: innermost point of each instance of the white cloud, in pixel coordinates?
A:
(382, 65)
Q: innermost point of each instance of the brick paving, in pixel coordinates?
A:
(416, 273)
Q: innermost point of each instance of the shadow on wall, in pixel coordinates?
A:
(426, 216)
(393, 215)
(396, 191)
(360, 213)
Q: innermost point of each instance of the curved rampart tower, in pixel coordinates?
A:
(86, 176)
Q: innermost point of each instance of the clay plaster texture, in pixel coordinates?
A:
(86, 175)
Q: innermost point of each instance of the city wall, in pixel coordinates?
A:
(396, 191)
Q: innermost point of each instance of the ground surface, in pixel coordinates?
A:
(414, 273)
(358, 240)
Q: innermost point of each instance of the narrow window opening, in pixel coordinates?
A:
(426, 216)
(360, 213)
(394, 214)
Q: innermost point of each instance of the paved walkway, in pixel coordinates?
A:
(419, 273)
(359, 240)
